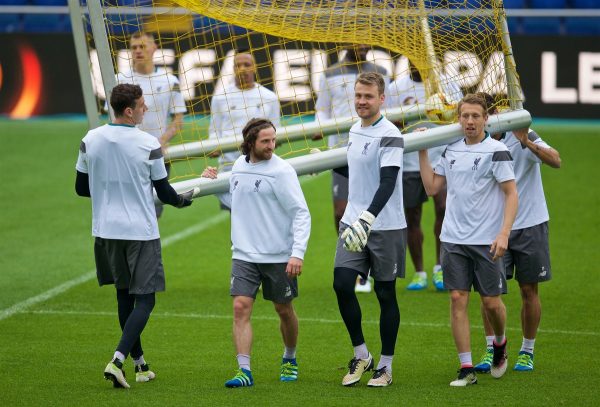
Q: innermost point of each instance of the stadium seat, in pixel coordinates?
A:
(203, 23)
(10, 23)
(548, 3)
(469, 3)
(586, 3)
(582, 26)
(542, 26)
(508, 4)
(49, 2)
(44, 23)
(515, 25)
(14, 2)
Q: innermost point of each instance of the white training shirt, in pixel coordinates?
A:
(532, 202)
(121, 162)
(475, 202)
(369, 149)
(162, 96)
(232, 109)
(270, 221)
(403, 92)
(335, 98)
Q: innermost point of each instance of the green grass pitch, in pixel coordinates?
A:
(55, 344)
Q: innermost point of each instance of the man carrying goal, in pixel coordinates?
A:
(528, 255)
(270, 227)
(372, 230)
(480, 211)
(117, 166)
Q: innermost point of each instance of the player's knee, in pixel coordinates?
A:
(344, 280)
(492, 305)
(241, 307)
(385, 291)
(458, 297)
(145, 301)
(529, 292)
(285, 311)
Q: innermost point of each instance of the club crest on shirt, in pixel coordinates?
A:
(452, 163)
(365, 148)
(349, 144)
(257, 185)
(476, 164)
(235, 184)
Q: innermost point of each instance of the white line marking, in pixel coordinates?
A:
(59, 289)
(268, 318)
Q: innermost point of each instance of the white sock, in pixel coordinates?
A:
(437, 268)
(527, 345)
(386, 361)
(289, 353)
(243, 361)
(119, 356)
(139, 361)
(421, 274)
(490, 341)
(465, 359)
(361, 351)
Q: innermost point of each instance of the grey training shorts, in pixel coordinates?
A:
(276, 285)
(528, 255)
(339, 186)
(466, 266)
(384, 258)
(413, 191)
(132, 264)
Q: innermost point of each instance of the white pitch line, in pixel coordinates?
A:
(267, 318)
(61, 288)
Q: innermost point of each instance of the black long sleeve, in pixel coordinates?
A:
(166, 193)
(387, 183)
(82, 184)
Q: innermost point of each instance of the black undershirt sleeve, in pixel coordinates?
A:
(82, 184)
(343, 171)
(165, 192)
(387, 183)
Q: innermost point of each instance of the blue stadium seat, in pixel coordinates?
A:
(10, 23)
(14, 2)
(203, 23)
(123, 25)
(548, 3)
(515, 25)
(586, 3)
(582, 26)
(515, 4)
(542, 26)
(469, 3)
(49, 2)
(44, 23)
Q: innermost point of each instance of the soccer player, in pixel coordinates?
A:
(480, 211)
(336, 100)
(528, 254)
(232, 109)
(270, 227)
(373, 228)
(117, 166)
(166, 107)
(409, 90)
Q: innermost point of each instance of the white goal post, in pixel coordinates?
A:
(335, 158)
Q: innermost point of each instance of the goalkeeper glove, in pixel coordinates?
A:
(185, 199)
(356, 235)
